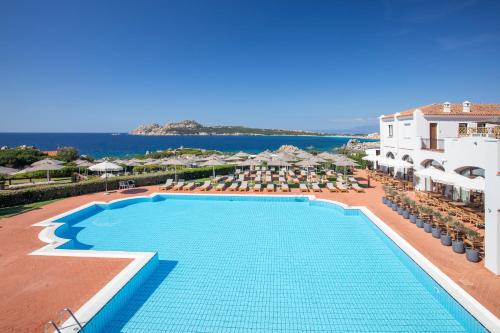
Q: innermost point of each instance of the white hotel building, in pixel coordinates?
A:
(460, 139)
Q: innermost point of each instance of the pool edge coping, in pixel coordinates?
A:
(139, 259)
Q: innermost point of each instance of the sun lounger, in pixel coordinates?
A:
(315, 187)
(284, 188)
(281, 179)
(219, 179)
(168, 185)
(270, 187)
(331, 188)
(258, 179)
(234, 186)
(206, 186)
(303, 188)
(179, 186)
(244, 186)
(342, 187)
(230, 179)
(189, 187)
(257, 187)
(357, 188)
(221, 187)
(352, 180)
(241, 177)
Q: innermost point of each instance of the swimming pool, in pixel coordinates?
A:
(263, 264)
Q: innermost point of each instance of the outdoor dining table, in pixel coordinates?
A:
(458, 203)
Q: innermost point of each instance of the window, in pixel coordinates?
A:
(481, 125)
(462, 125)
(390, 131)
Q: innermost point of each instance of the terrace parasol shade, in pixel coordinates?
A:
(45, 166)
(213, 162)
(7, 171)
(174, 162)
(106, 167)
(47, 160)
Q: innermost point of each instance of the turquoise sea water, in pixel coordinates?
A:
(232, 264)
(105, 144)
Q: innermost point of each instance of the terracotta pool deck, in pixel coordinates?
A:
(34, 289)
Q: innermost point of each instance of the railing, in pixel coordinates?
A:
(480, 131)
(432, 144)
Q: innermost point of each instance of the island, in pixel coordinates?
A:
(191, 127)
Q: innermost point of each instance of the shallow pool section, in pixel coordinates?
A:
(263, 264)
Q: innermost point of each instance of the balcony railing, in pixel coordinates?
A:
(493, 132)
(432, 144)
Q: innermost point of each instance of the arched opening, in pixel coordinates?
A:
(390, 155)
(430, 162)
(407, 158)
(470, 171)
(408, 172)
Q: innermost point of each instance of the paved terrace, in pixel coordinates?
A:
(34, 288)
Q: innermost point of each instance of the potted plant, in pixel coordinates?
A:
(448, 221)
(385, 198)
(419, 221)
(413, 210)
(427, 211)
(457, 244)
(472, 253)
(436, 228)
(395, 201)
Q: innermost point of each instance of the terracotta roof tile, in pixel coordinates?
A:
(456, 109)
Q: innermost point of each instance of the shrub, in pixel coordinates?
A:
(49, 192)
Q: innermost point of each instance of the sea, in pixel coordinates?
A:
(123, 145)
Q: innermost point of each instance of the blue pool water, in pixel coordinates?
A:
(248, 264)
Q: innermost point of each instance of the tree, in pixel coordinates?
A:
(20, 157)
(67, 154)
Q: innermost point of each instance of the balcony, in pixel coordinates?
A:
(432, 144)
(492, 132)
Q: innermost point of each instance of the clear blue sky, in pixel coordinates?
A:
(93, 66)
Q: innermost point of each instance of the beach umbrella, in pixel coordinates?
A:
(174, 162)
(327, 156)
(47, 160)
(83, 164)
(278, 163)
(46, 166)
(307, 164)
(242, 154)
(7, 171)
(286, 156)
(106, 167)
(232, 159)
(213, 163)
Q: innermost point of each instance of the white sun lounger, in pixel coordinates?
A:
(244, 186)
(168, 185)
(189, 187)
(284, 188)
(257, 187)
(357, 188)
(206, 186)
(179, 186)
(315, 187)
(221, 187)
(270, 187)
(303, 187)
(331, 188)
(234, 186)
(342, 187)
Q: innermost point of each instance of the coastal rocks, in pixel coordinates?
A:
(354, 145)
(288, 149)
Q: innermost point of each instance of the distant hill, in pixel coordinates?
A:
(365, 129)
(191, 127)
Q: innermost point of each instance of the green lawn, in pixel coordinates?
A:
(11, 211)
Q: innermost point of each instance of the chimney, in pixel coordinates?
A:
(466, 106)
(446, 107)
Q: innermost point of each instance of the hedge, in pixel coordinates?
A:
(49, 192)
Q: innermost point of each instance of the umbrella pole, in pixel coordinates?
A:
(106, 182)
(213, 169)
(48, 176)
